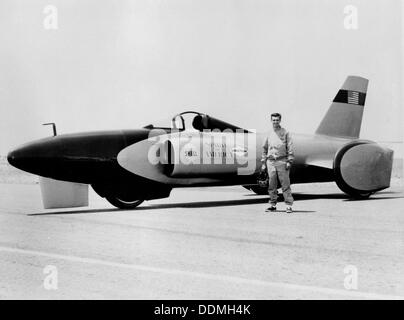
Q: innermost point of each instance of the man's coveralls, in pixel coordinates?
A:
(277, 151)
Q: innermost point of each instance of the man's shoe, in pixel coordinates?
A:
(270, 209)
(289, 210)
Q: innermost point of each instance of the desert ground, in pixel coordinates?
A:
(202, 243)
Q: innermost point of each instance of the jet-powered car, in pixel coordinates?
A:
(129, 166)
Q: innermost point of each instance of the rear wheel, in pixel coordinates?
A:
(360, 195)
(121, 203)
(354, 194)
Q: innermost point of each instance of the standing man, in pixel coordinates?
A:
(277, 157)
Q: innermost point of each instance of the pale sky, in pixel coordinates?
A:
(122, 64)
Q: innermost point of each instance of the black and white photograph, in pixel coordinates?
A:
(171, 150)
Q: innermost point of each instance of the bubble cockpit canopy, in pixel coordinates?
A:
(194, 121)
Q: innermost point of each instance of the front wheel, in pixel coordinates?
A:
(123, 204)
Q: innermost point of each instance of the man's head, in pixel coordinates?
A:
(276, 120)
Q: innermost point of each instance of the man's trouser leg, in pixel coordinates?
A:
(283, 175)
(272, 184)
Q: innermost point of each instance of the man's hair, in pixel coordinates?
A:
(276, 114)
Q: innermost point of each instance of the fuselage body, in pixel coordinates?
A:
(93, 158)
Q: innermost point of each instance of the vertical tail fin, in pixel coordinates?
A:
(344, 116)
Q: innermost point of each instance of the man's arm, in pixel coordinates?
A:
(289, 148)
(264, 151)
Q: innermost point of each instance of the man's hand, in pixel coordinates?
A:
(288, 165)
(263, 167)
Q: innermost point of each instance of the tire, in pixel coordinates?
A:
(352, 193)
(123, 204)
(360, 195)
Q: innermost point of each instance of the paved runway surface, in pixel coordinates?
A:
(204, 243)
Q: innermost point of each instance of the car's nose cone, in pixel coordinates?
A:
(12, 158)
(35, 157)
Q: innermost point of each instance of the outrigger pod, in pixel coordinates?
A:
(62, 194)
